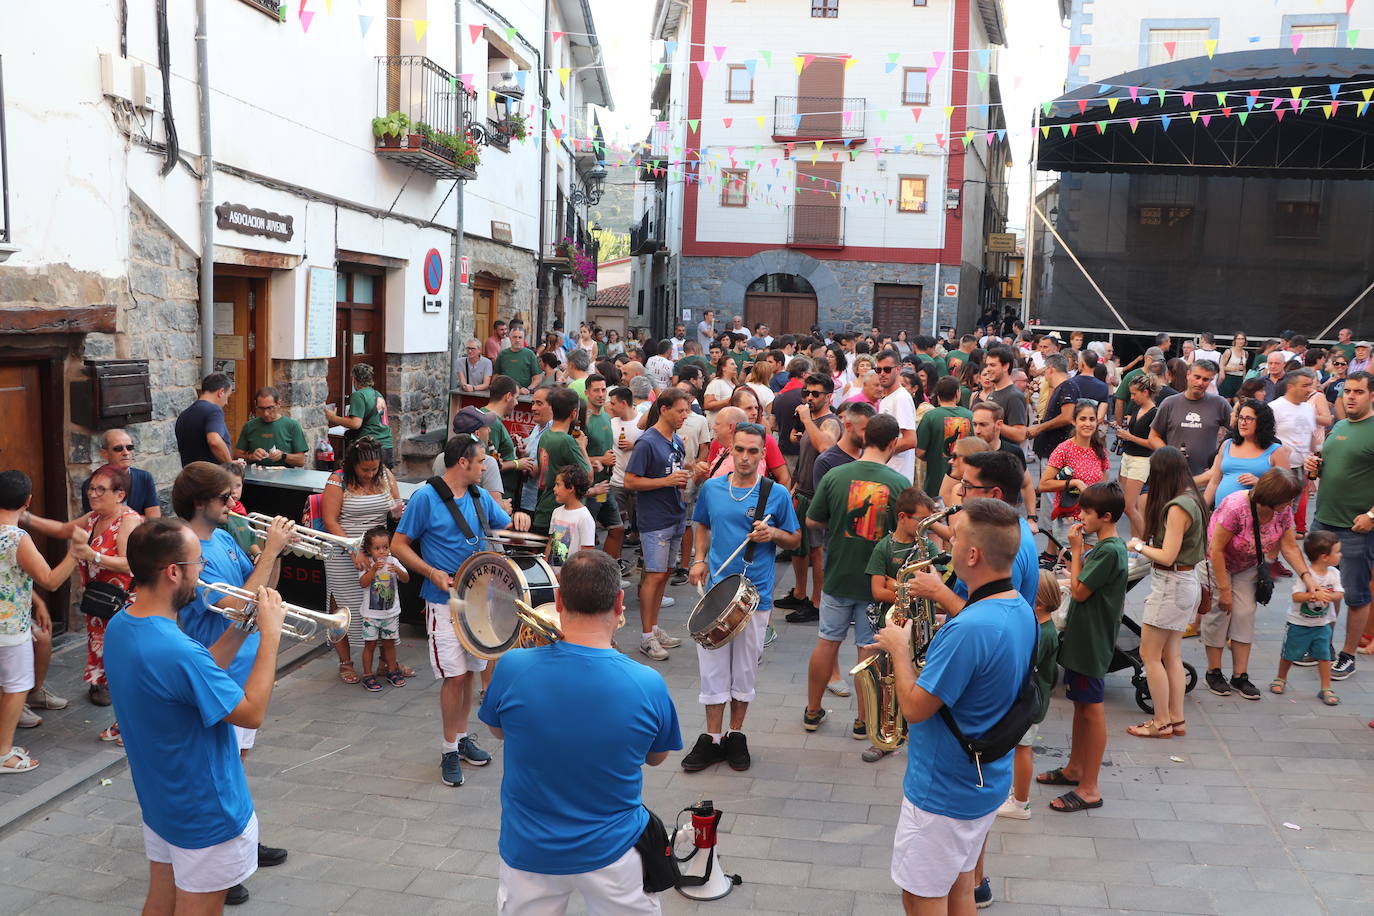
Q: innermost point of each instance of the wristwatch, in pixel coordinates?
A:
(1370, 513)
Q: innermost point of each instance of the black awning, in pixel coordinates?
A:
(1231, 127)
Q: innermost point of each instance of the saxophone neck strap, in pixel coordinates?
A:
(997, 586)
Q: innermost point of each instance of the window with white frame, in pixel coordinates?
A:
(1317, 36)
(825, 9)
(915, 86)
(1185, 43)
(741, 85)
(734, 188)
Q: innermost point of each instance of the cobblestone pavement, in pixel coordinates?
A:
(347, 781)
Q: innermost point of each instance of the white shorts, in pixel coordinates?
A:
(729, 673)
(616, 890)
(246, 737)
(16, 667)
(214, 868)
(931, 851)
(447, 657)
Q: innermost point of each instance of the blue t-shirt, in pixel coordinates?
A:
(578, 808)
(171, 699)
(655, 456)
(730, 523)
(193, 424)
(975, 665)
(142, 492)
(442, 543)
(1092, 387)
(1025, 569)
(225, 562)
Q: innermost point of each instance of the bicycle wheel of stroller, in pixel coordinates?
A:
(1192, 677)
(1142, 698)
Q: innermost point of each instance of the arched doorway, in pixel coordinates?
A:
(784, 302)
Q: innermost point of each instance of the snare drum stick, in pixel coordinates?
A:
(730, 559)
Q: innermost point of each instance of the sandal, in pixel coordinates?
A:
(1151, 729)
(1328, 696)
(1055, 777)
(23, 762)
(1179, 727)
(396, 678)
(1071, 801)
(347, 673)
(406, 670)
(112, 734)
(1278, 685)
(371, 683)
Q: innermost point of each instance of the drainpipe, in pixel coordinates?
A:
(456, 347)
(207, 196)
(542, 293)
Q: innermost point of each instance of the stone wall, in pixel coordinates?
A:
(844, 289)
(417, 398)
(303, 385)
(516, 268)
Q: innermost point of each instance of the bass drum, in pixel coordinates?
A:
(723, 612)
(485, 591)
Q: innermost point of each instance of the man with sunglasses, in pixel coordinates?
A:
(475, 371)
(742, 506)
(200, 497)
(117, 450)
(898, 403)
(817, 430)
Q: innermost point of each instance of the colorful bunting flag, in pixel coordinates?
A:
(365, 23)
(421, 27)
(475, 32)
(1211, 46)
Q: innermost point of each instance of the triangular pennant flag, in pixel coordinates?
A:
(1250, 100)
(421, 27)
(1244, 116)
(1206, 120)
(727, 122)
(558, 35)
(693, 124)
(1101, 127)
(767, 58)
(511, 32)
(466, 80)
(305, 16)
(1073, 129)
(1194, 115)
(1104, 88)
(1074, 51)
(819, 144)
(848, 118)
(475, 32)
(968, 137)
(761, 119)
(1187, 100)
(1335, 89)
(1082, 106)
(365, 23)
(982, 77)
(1302, 106)
(720, 52)
(1280, 112)
(1164, 121)
(882, 114)
(563, 74)
(1047, 108)
(949, 112)
(1135, 93)
(891, 62)
(1135, 123)
(658, 70)
(916, 114)
(669, 47)
(1112, 103)
(1170, 47)
(1221, 98)
(1045, 131)
(1063, 130)
(1295, 40)
(940, 140)
(990, 136)
(703, 66)
(849, 62)
(1329, 109)
(1364, 106)
(1226, 112)
(751, 65)
(1211, 46)
(1353, 37)
(1296, 91)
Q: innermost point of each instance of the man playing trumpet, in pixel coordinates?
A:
(741, 506)
(200, 497)
(199, 827)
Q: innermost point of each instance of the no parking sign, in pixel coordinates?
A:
(434, 272)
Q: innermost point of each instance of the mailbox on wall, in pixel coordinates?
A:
(114, 393)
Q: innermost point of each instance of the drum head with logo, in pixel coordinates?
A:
(484, 618)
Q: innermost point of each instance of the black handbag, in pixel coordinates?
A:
(1264, 581)
(103, 599)
(661, 870)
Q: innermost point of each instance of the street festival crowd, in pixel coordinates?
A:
(885, 469)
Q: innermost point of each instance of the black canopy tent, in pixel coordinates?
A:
(1220, 214)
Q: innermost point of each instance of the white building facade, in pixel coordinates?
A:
(822, 164)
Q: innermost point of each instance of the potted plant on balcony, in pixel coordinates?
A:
(389, 129)
(583, 269)
(420, 132)
(515, 127)
(463, 149)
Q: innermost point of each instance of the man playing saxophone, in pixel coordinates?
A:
(200, 496)
(975, 666)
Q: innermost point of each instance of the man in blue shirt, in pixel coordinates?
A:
(727, 515)
(176, 704)
(200, 497)
(974, 666)
(200, 429)
(579, 721)
(443, 549)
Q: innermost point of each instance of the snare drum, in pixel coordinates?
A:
(485, 591)
(723, 612)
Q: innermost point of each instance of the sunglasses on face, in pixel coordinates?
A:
(884, 370)
(225, 498)
(121, 448)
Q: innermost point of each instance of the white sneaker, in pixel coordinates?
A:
(624, 583)
(666, 641)
(668, 601)
(651, 648)
(839, 688)
(1019, 811)
(29, 719)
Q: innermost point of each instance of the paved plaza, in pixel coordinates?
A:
(1264, 808)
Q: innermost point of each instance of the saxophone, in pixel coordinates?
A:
(874, 678)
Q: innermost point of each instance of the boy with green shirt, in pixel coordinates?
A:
(557, 450)
(1097, 588)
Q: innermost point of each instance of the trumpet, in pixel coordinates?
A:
(300, 623)
(307, 542)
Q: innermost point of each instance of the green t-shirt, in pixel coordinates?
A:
(700, 362)
(1090, 632)
(740, 357)
(857, 504)
(1194, 546)
(1348, 349)
(600, 439)
(1123, 390)
(363, 403)
(521, 365)
(580, 386)
(557, 450)
(501, 440)
(889, 555)
(283, 432)
(1347, 488)
(939, 430)
(941, 365)
(1045, 665)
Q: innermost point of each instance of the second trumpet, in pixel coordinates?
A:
(300, 623)
(307, 542)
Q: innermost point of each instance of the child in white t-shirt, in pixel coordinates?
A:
(381, 608)
(572, 527)
(1311, 620)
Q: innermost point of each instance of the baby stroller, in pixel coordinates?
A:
(1127, 652)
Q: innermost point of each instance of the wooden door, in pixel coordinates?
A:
(21, 435)
(784, 313)
(484, 309)
(816, 212)
(358, 333)
(897, 308)
(235, 346)
(820, 98)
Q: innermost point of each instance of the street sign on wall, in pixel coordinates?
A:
(951, 290)
(1002, 242)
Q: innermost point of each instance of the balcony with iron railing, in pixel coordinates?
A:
(811, 117)
(424, 118)
(815, 226)
(646, 236)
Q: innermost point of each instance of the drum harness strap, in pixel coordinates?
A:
(760, 510)
(451, 503)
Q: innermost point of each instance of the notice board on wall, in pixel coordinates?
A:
(320, 300)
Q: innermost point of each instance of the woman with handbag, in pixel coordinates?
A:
(1175, 543)
(357, 497)
(104, 572)
(1242, 575)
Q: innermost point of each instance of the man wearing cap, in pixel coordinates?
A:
(476, 422)
(1360, 363)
